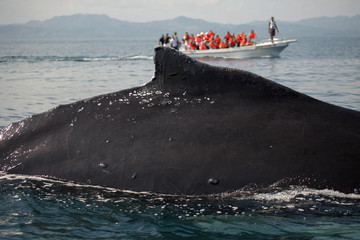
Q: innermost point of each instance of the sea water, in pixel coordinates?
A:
(36, 76)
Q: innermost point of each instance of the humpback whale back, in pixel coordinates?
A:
(193, 129)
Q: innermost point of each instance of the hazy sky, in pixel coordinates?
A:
(223, 11)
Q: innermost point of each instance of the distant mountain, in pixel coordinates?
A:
(82, 26)
(74, 26)
(350, 25)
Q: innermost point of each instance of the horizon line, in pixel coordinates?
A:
(180, 16)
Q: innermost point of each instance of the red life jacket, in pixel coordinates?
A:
(203, 47)
(227, 36)
(231, 43)
(192, 45)
(213, 45)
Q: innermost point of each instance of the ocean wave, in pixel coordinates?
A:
(293, 199)
(297, 212)
(33, 59)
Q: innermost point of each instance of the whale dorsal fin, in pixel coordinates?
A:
(178, 72)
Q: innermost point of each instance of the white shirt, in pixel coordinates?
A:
(174, 42)
(272, 24)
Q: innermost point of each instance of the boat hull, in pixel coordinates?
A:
(266, 49)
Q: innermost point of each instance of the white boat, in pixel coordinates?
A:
(262, 49)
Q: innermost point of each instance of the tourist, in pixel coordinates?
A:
(218, 39)
(232, 42)
(161, 40)
(251, 37)
(174, 42)
(213, 44)
(206, 37)
(192, 45)
(222, 44)
(226, 45)
(238, 39)
(177, 41)
(211, 33)
(167, 41)
(198, 40)
(203, 46)
(186, 39)
(227, 36)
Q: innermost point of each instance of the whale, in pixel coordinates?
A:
(193, 129)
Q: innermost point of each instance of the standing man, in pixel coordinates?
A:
(161, 40)
(174, 42)
(272, 27)
(167, 40)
